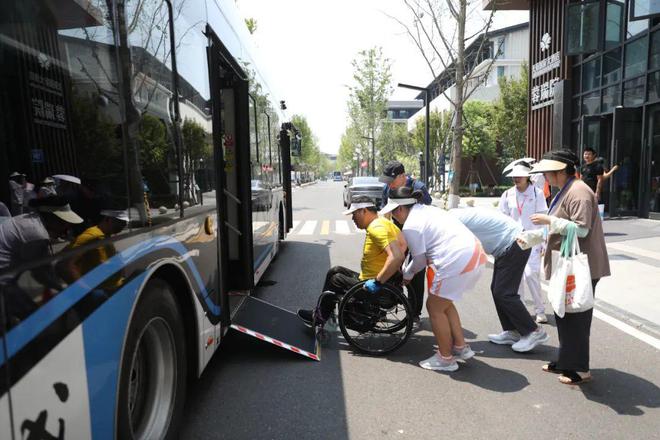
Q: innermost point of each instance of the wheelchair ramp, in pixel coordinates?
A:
(276, 326)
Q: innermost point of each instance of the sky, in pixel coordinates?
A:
(319, 40)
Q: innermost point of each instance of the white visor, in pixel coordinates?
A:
(508, 168)
(67, 178)
(355, 206)
(392, 204)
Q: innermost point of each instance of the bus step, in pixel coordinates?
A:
(277, 326)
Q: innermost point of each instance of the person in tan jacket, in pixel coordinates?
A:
(574, 203)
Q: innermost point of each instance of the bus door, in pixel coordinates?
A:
(229, 95)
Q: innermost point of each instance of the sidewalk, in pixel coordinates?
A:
(632, 293)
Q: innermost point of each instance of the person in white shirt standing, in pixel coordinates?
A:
(521, 202)
(454, 258)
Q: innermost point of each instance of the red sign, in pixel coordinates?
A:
(364, 164)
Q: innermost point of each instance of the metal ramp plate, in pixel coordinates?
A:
(276, 326)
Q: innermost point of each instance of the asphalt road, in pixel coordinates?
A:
(253, 390)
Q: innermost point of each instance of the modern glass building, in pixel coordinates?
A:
(595, 82)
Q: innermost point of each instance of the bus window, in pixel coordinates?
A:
(199, 172)
(61, 126)
(153, 178)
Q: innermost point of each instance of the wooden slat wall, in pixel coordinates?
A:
(545, 16)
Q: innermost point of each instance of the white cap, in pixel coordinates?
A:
(527, 160)
(355, 206)
(392, 204)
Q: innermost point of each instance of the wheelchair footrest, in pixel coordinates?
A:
(277, 326)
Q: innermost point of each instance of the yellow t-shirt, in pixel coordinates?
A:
(380, 233)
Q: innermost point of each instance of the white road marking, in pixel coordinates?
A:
(308, 228)
(295, 224)
(632, 331)
(341, 227)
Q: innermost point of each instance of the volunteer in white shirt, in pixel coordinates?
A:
(521, 202)
(454, 258)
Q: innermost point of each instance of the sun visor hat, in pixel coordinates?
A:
(391, 170)
(392, 204)
(64, 212)
(67, 178)
(520, 170)
(119, 214)
(355, 206)
(526, 160)
(555, 160)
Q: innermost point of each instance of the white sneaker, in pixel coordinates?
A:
(436, 362)
(541, 318)
(463, 354)
(530, 341)
(507, 337)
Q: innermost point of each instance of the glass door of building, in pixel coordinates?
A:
(626, 153)
(597, 134)
(652, 180)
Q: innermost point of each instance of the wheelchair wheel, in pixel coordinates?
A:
(378, 323)
(393, 324)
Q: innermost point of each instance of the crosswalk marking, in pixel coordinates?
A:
(341, 227)
(308, 228)
(325, 227)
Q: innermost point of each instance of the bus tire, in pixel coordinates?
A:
(153, 375)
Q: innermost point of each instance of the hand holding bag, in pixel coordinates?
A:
(570, 289)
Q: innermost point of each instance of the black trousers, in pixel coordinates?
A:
(507, 275)
(574, 330)
(338, 280)
(417, 284)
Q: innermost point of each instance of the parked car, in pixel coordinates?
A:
(364, 186)
(262, 196)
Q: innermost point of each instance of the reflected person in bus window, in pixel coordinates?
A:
(17, 189)
(27, 238)
(112, 222)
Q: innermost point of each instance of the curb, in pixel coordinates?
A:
(302, 185)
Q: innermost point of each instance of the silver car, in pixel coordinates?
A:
(364, 186)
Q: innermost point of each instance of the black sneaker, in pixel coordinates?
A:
(307, 316)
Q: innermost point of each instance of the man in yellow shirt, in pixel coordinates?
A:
(112, 222)
(382, 256)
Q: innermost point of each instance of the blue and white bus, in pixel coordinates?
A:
(153, 113)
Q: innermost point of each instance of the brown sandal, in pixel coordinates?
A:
(551, 368)
(574, 378)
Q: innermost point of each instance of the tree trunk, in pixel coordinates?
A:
(131, 126)
(457, 139)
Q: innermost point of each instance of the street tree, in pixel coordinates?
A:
(367, 103)
(309, 159)
(510, 117)
(440, 30)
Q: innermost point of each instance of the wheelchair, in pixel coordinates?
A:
(376, 323)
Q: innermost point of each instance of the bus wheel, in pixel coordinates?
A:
(152, 384)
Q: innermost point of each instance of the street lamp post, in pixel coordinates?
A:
(356, 158)
(425, 173)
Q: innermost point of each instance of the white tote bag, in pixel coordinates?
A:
(570, 289)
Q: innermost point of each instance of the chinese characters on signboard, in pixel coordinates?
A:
(542, 92)
(47, 108)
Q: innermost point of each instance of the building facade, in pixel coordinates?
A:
(595, 82)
